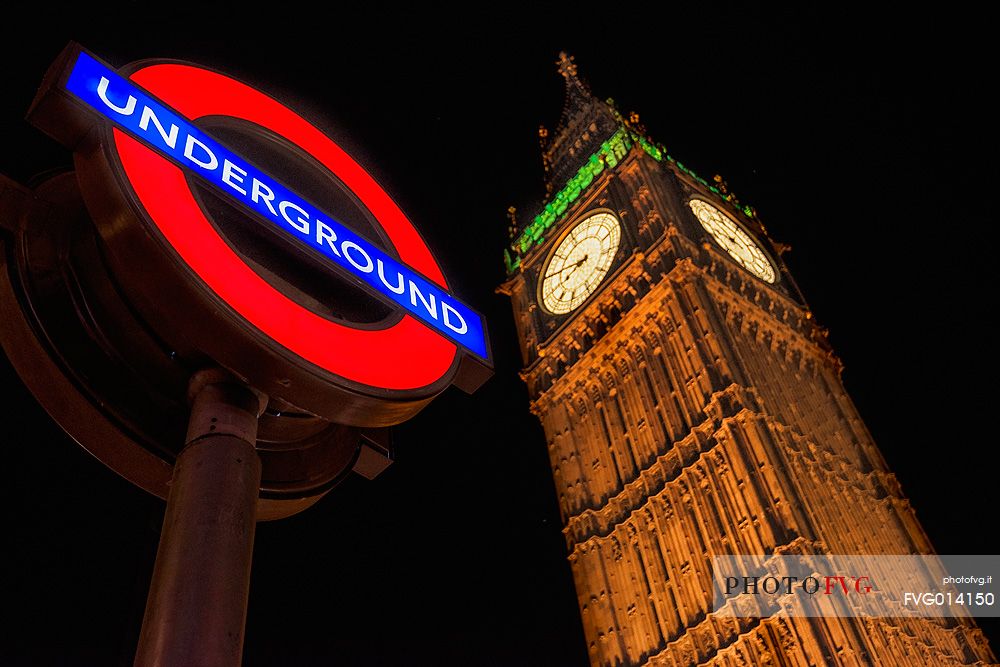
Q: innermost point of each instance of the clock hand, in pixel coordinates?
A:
(573, 267)
(569, 267)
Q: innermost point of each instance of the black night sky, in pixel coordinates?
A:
(866, 142)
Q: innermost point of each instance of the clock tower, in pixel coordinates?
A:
(692, 407)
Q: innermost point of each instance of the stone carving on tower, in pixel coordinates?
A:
(692, 406)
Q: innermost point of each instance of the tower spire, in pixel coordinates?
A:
(567, 67)
(584, 123)
(577, 91)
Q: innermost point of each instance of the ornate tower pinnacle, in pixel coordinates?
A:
(584, 123)
(578, 95)
(566, 65)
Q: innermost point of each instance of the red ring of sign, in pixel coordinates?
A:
(406, 355)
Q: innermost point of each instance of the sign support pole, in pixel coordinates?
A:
(196, 609)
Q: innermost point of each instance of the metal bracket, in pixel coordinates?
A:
(376, 452)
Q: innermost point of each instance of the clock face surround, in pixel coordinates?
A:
(579, 263)
(734, 240)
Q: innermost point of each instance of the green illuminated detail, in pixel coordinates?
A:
(608, 156)
(511, 264)
(727, 196)
(653, 151)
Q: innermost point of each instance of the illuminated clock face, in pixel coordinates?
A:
(728, 234)
(580, 262)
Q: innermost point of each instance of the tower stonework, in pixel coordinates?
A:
(692, 407)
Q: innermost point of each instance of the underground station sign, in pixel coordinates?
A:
(223, 228)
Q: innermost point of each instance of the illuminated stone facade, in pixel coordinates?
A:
(690, 409)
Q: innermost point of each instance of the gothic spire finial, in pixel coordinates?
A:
(566, 66)
(577, 92)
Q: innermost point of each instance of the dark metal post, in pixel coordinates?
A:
(196, 609)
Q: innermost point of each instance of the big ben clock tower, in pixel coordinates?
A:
(692, 407)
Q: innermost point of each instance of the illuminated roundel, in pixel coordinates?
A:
(734, 240)
(404, 356)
